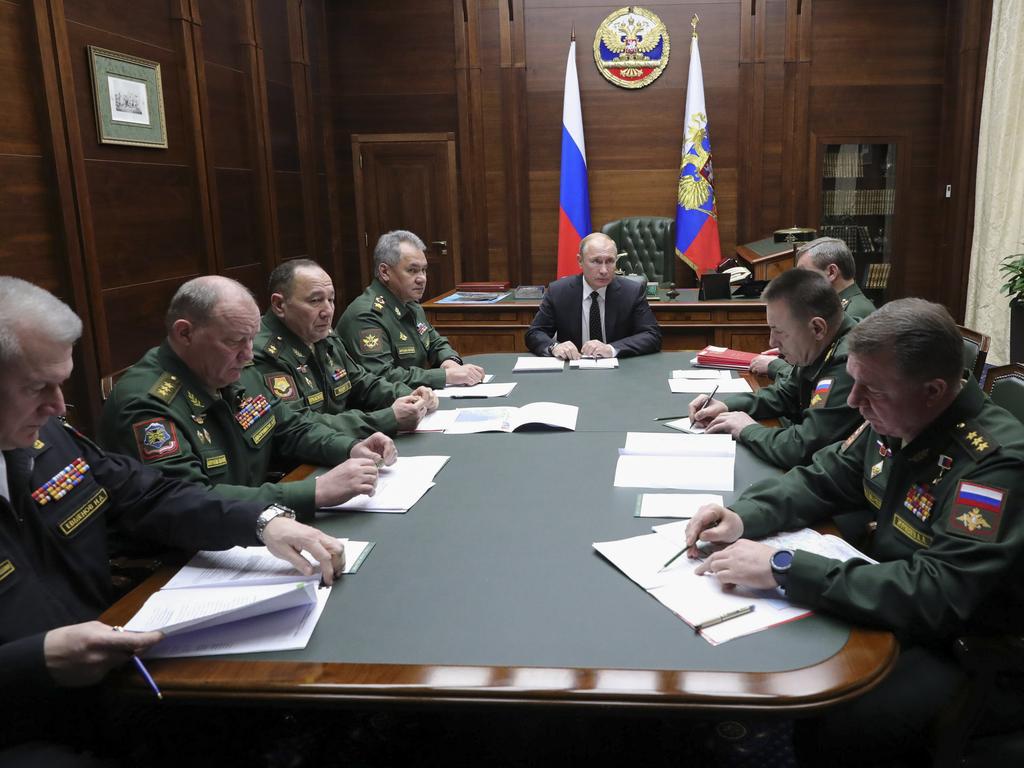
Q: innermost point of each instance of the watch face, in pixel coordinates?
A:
(782, 559)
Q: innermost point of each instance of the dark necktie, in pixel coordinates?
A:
(595, 318)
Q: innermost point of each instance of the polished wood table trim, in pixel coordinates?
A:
(501, 327)
(861, 664)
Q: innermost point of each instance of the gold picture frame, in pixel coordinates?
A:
(129, 99)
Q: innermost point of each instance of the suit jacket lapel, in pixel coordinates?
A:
(576, 316)
(611, 310)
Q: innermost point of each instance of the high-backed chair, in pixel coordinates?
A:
(1005, 385)
(975, 351)
(650, 243)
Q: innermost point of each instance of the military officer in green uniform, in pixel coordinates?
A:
(304, 363)
(832, 258)
(386, 329)
(938, 465)
(808, 325)
(197, 409)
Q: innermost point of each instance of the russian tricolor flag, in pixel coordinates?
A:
(696, 213)
(974, 495)
(573, 194)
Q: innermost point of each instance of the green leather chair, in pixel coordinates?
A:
(650, 242)
(1005, 385)
(975, 351)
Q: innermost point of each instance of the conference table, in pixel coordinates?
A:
(489, 590)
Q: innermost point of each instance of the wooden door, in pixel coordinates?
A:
(407, 181)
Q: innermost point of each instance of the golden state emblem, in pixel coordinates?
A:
(631, 47)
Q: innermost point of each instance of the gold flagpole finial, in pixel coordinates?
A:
(572, 35)
(693, 23)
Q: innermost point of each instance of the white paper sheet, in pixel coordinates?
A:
(713, 374)
(684, 425)
(662, 444)
(254, 565)
(399, 486)
(684, 473)
(285, 630)
(534, 363)
(601, 363)
(438, 421)
(477, 390)
(699, 387)
(683, 505)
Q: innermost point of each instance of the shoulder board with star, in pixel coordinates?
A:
(166, 387)
(974, 440)
(273, 346)
(853, 438)
(378, 304)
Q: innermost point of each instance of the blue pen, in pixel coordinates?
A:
(143, 671)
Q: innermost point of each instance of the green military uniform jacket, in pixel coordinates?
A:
(950, 524)
(325, 382)
(160, 413)
(855, 305)
(393, 339)
(812, 400)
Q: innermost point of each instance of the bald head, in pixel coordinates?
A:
(211, 324)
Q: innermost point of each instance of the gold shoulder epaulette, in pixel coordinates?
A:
(272, 347)
(853, 438)
(379, 304)
(166, 387)
(976, 442)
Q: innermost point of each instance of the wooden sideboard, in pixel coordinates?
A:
(474, 328)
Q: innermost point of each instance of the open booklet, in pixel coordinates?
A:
(509, 419)
(681, 462)
(697, 599)
(241, 600)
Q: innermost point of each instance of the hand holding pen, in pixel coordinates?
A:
(704, 408)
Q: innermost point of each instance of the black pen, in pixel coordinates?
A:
(710, 397)
(142, 670)
(668, 418)
(469, 397)
(723, 618)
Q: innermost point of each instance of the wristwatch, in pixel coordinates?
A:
(781, 561)
(268, 514)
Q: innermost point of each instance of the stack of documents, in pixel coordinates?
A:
(683, 462)
(712, 374)
(241, 600)
(698, 599)
(673, 504)
(533, 363)
(399, 486)
(595, 364)
(476, 390)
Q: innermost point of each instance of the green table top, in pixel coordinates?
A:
(494, 566)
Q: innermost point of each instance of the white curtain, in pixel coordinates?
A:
(999, 199)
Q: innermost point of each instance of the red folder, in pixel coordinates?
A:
(723, 357)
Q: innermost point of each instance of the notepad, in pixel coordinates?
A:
(684, 425)
(680, 462)
(509, 419)
(698, 387)
(683, 505)
(527, 364)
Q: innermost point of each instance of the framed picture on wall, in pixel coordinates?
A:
(129, 99)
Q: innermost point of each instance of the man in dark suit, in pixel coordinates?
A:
(567, 325)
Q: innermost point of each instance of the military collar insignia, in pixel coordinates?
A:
(166, 387)
(884, 450)
(204, 436)
(300, 356)
(38, 445)
(58, 486)
(378, 304)
(845, 303)
(398, 312)
(272, 348)
(402, 336)
(197, 402)
(831, 351)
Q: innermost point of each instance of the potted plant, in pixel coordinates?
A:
(1012, 268)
